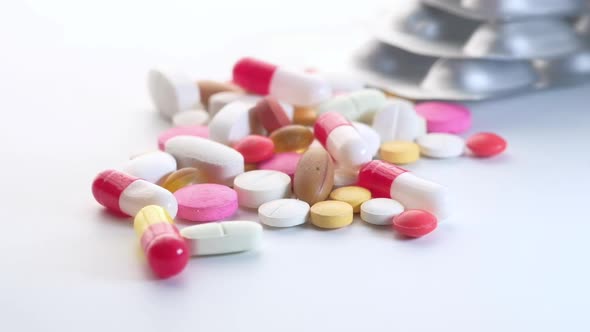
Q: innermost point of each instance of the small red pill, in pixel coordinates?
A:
(486, 145)
(414, 223)
(255, 148)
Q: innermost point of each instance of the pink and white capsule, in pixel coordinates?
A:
(127, 194)
(342, 140)
(293, 87)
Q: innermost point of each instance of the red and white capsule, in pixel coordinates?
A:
(341, 140)
(387, 180)
(297, 88)
(127, 194)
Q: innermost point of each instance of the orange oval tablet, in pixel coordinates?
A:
(314, 176)
(292, 138)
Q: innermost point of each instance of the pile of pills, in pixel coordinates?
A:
(296, 146)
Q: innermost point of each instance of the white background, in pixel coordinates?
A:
(514, 257)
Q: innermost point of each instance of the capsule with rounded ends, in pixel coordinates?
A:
(356, 104)
(223, 237)
(127, 194)
(182, 178)
(342, 140)
(314, 176)
(297, 88)
(411, 191)
(165, 249)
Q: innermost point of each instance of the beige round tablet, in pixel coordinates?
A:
(399, 152)
(353, 195)
(331, 214)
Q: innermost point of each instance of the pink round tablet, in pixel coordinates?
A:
(444, 117)
(200, 131)
(285, 162)
(206, 202)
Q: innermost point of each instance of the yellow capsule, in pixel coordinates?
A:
(292, 138)
(331, 214)
(182, 178)
(353, 195)
(148, 216)
(399, 152)
(304, 116)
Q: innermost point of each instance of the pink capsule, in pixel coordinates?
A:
(411, 191)
(127, 194)
(342, 140)
(297, 88)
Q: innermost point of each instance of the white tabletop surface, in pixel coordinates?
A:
(514, 256)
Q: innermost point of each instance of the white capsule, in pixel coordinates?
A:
(255, 188)
(172, 92)
(190, 118)
(397, 121)
(233, 122)
(286, 212)
(141, 193)
(355, 104)
(370, 136)
(422, 194)
(220, 163)
(380, 211)
(441, 145)
(222, 237)
(347, 147)
(150, 166)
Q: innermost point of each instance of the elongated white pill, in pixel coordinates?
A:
(190, 118)
(234, 122)
(172, 92)
(287, 212)
(222, 237)
(220, 163)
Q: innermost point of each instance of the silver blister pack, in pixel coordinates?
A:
(423, 77)
(429, 78)
(430, 31)
(505, 10)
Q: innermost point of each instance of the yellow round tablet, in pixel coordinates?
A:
(331, 214)
(399, 152)
(353, 195)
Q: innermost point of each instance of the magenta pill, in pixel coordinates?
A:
(444, 117)
(206, 202)
(285, 162)
(199, 131)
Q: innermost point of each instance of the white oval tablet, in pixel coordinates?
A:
(287, 212)
(220, 163)
(190, 118)
(222, 237)
(380, 211)
(255, 188)
(150, 166)
(397, 121)
(441, 145)
(370, 136)
(172, 92)
(233, 122)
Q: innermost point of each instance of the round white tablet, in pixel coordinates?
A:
(287, 212)
(370, 136)
(380, 211)
(190, 118)
(441, 145)
(397, 121)
(172, 92)
(255, 188)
